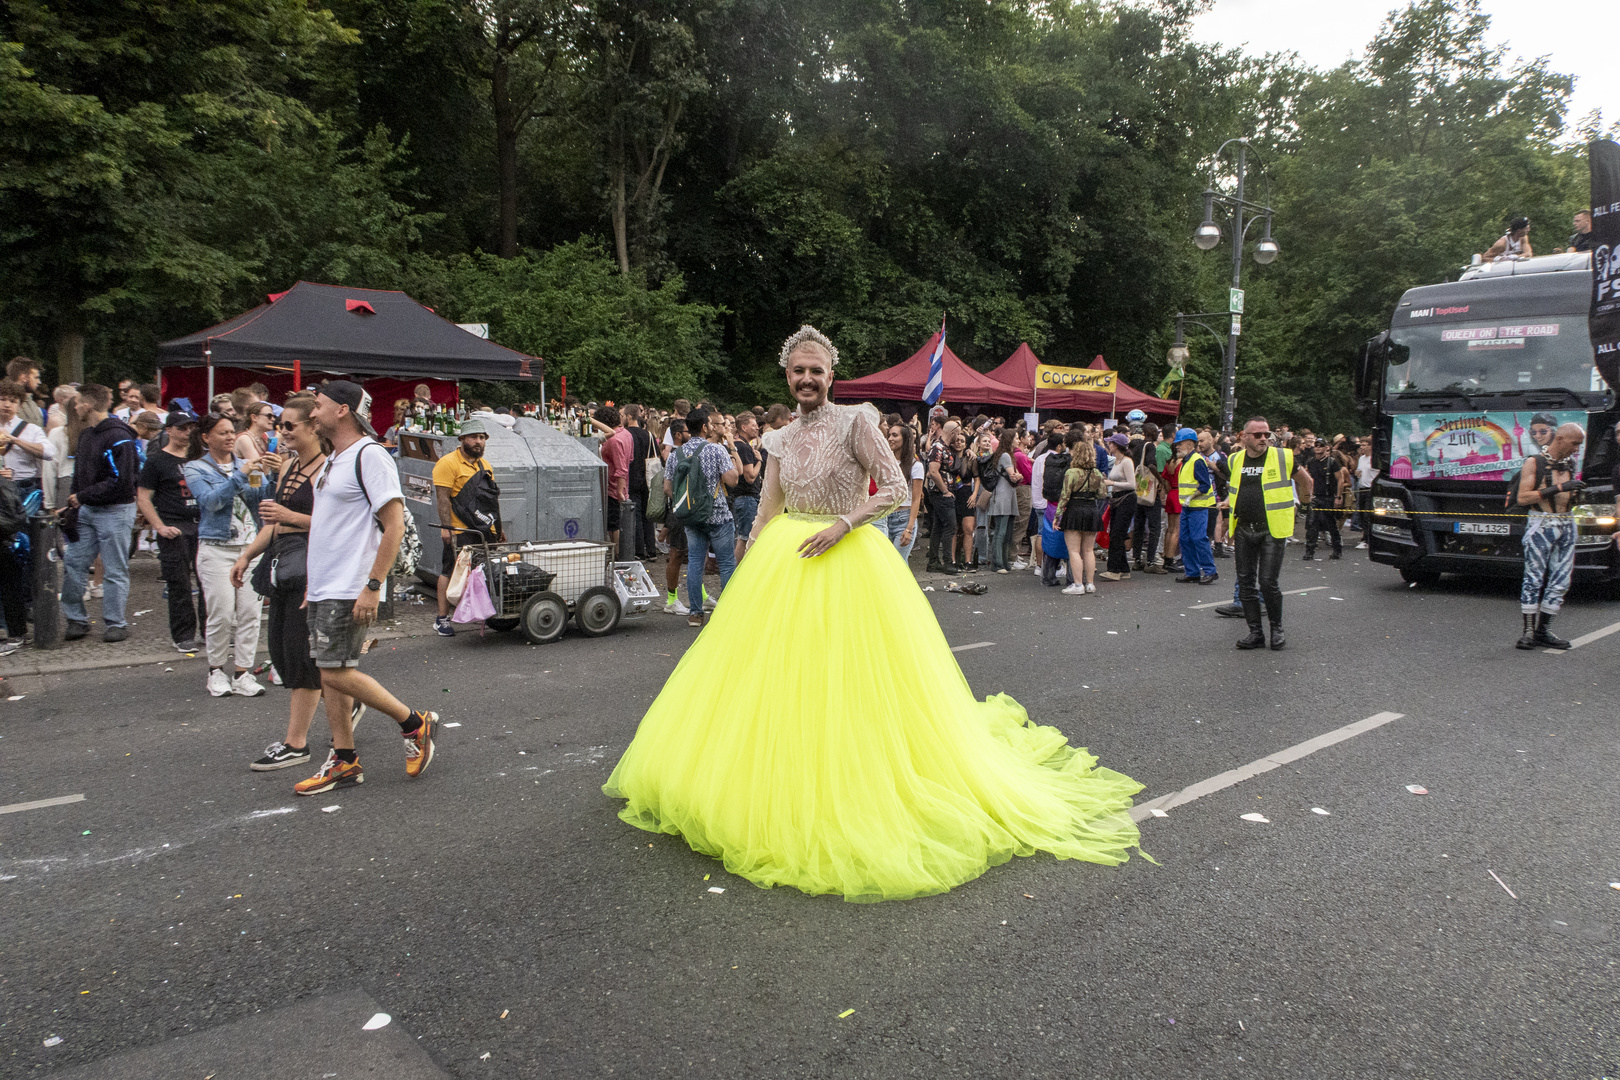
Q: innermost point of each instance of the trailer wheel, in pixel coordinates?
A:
(544, 618)
(597, 611)
(503, 623)
(1420, 577)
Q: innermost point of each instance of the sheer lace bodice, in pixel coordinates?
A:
(819, 464)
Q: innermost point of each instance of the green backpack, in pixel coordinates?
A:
(690, 498)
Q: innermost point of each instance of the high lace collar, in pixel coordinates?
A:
(822, 415)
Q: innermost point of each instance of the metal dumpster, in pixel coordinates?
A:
(551, 487)
(508, 456)
(570, 484)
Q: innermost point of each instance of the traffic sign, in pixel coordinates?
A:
(1234, 301)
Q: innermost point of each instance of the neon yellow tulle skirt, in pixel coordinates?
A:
(820, 734)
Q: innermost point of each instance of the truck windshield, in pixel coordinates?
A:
(1494, 357)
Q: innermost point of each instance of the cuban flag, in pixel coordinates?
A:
(935, 387)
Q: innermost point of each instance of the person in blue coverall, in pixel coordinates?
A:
(1197, 484)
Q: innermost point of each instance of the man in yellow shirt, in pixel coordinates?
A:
(450, 475)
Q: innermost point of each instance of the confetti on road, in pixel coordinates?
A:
(1261, 818)
(377, 1021)
(716, 889)
(138, 614)
(452, 725)
(1502, 883)
(504, 1012)
(484, 1056)
(54, 1040)
(846, 1012)
(1417, 789)
(1335, 598)
(1156, 812)
(1114, 632)
(330, 809)
(16, 697)
(1614, 885)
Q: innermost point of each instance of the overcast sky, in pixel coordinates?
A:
(1326, 34)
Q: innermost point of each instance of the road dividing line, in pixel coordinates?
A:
(1232, 777)
(38, 804)
(1291, 592)
(975, 645)
(1587, 639)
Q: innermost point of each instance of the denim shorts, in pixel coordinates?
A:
(335, 639)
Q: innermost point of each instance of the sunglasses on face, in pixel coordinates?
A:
(292, 425)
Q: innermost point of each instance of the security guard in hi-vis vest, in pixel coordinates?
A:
(1262, 499)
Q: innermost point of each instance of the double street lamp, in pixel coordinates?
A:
(1241, 215)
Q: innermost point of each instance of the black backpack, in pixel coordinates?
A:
(13, 518)
(478, 505)
(1542, 468)
(1052, 478)
(990, 472)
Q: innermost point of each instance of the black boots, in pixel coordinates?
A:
(1234, 610)
(1527, 640)
(1277, 638)
(1545, 637)
(1257, 637)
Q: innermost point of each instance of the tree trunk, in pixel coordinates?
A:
(70, 357)
(506, 137)
(620, 240)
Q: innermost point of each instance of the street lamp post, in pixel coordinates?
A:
(1208, 234)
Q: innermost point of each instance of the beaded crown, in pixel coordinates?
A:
(804, 334)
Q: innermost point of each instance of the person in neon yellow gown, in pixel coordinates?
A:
(819, 732)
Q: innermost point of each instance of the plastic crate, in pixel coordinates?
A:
(578, 564)
(637, 593)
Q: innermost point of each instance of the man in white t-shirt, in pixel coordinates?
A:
(23, 444)
(355, 529)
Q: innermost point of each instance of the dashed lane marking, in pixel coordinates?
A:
(1290, 592)
(975, 645)
(1587, 639)
(39, 804)
(1231, 777)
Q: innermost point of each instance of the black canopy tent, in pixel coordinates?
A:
(332, 328)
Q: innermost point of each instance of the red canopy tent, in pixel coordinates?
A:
(905, 381)
(1019, 370)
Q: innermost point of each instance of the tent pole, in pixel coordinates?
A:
(208, 361)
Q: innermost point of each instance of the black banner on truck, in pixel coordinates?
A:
(1603, 322)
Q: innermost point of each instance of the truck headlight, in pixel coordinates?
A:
(1389, 509)
(1594, 524)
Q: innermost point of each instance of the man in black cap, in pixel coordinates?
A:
(1513, 244)
(355, 530)
(167, 506)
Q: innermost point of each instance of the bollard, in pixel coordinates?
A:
(45, 549)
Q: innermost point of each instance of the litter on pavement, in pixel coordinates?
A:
(1156, 812)
(716, 889)
(1257, 817)
(1417, 789)
(330, 809)
(1502, 883)
(377, 1020)
(1319, 810)
(846, 1012)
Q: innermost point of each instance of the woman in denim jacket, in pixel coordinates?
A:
(227, 500)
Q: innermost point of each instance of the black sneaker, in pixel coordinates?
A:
(116, 633)
(188, 646)
(1336, 555)
(76, 630)
(279, 756)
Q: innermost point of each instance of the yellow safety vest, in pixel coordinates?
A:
(1187, 480)
(1276, 490)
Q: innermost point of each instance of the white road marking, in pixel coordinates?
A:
(37, 804)
(1290, 592)
(1587, 639)
(975, 645)
(1231, 777)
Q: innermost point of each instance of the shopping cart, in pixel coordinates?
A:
(536, 586)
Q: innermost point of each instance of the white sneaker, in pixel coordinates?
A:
(95, 592)
(275, 677)
(1091, 588)
(708, 601)
(1019, 564)
(1362, 546)
(245, 685)
(1037, 571)
(219, 683)
(1075, 590)
(675, 607)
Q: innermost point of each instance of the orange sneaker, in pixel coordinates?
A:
(334, 773)
(419, 744)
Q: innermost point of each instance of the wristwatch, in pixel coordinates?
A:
(374, 585)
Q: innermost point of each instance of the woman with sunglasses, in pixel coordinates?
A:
(226, 498)
(284, 540)
(257, 429)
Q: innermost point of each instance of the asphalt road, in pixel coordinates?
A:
(512, 926)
